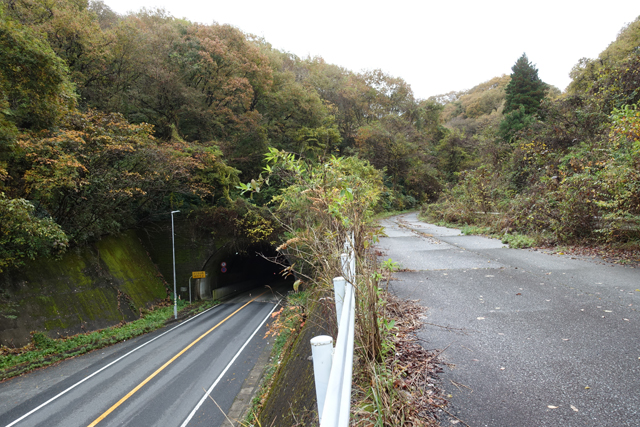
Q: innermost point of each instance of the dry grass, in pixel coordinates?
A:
(402, 391)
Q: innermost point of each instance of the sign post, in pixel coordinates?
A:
(196, 275)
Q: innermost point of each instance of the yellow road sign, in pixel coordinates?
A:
(198, 274)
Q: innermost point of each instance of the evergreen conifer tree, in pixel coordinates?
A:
(525, 87)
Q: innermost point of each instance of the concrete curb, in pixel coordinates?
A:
(250, 387)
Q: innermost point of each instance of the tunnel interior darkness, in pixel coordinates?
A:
(253, 264)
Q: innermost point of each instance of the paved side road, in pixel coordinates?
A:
(531, 339)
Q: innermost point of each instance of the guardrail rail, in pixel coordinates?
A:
(333, 368)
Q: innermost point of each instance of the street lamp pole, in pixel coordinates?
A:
(173, 245)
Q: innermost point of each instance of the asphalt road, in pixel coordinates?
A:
(530, 338)
(158, 379)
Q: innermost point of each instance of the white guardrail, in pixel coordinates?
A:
(333, 369)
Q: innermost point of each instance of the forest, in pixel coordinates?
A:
(541, 167)
(109, 121)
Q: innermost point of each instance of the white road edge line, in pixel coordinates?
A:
(103, 368)
(208, 392)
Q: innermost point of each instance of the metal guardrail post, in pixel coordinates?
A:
(322, 354)
(337, 404)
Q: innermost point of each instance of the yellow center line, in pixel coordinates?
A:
(150, 377)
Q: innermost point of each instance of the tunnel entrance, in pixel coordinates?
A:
(234, 270)
(246, 265)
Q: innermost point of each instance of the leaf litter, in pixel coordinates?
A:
(414, 371)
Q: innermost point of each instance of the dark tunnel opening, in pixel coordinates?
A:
(234, 271)
(253, 263)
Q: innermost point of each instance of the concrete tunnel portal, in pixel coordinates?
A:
(231, 271)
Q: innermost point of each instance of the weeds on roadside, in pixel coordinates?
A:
(43, 351)
(475, 230)
(518, 241)
(403, 389)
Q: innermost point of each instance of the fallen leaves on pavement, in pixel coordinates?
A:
(602, 253)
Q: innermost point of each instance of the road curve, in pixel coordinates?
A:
(531, 339)
(158, 379)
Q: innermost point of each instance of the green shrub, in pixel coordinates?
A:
(518, 241)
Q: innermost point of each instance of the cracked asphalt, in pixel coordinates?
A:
(529, 338)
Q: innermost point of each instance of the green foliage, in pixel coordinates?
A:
(317, 143)
(35, 90)
(514, 122)
(570, 171)
(626, 43)
(594, 194)
(257, 226)
(24, 235)
(453, 153)
(474, 230)
(396, 146)
(98, 174)
(518, 241)
(387, 267)
(472, 200)
(616, 85)
(525, 88)
(325, 205)
(587, 71)
(567, 194)
(342, 190)
(473, 110)
(290, 106)
(385, 144)
(523, 95)
(211, 86)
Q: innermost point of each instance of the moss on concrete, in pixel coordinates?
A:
(128, 262)
(88, 288)
(192, 248)
(104, 283)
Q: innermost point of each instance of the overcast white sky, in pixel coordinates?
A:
(437, 47)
